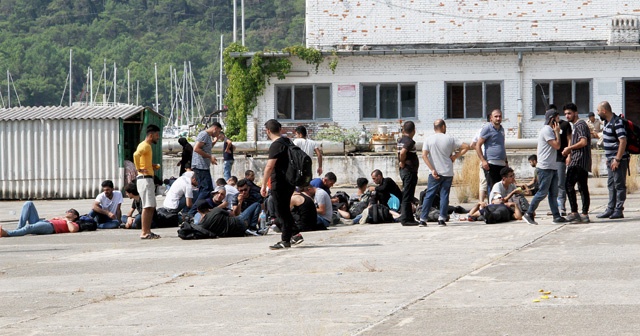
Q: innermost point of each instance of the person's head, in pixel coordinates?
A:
(107, 188)
(243, 187)
(571, 112)
(72, 215)
(439, 126)
(131, 190)
(309, 190)
(183, 142)
(508, 176)
(250, 175)
(273, 128)
(204, 208)
(215, 129)
(551, 117)
(604, 111)
(329, 179)
(376, 176)
(232, 181)
(221, 182)
(301, 132)
(409, 128)
(218, 194)
(221, 136)
(362, 183)
(496, 117)
(592, 116)
(497, 199)
(153, 134)
(533, 160)
(194, 180)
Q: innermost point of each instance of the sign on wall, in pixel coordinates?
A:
(347, 90)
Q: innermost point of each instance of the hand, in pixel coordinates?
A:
(263, 190)
(319, 171)
(143, 171)
(453, 158)
(111, 215)
(485, 165)
(614, 165)
(241, 197)
(566, 151)
(401, 164)
(130, 221)
(156, 166)
(213, 160)
(435, 175)
(556, 126)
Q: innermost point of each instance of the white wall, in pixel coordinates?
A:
(397, 22)
(431, 72)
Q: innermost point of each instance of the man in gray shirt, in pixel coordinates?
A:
(201, 162)
(438, 153)
(547, 168)
(494, 158)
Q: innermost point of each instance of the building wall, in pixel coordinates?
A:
(397, 22)
(57, 159)
(431, 73)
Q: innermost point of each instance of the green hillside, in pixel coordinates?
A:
(36, 35)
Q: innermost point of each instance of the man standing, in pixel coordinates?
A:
(565, 137)
(548, 144)
(495, 153)
(107, 207)
(187, 154)
(579, 165)
(143, 159)
(281, 190)
(227, 155)
(201, 162)
(615, 143)
(408, 172)
(308, 146)
(438, 153)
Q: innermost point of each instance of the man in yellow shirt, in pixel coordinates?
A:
(142, 159)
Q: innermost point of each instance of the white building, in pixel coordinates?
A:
(458, 60)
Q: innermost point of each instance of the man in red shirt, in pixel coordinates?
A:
(30, 223)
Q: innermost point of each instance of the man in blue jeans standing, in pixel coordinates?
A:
(547, 169)
(201, 163)
(438, 153)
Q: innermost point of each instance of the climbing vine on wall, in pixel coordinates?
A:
(248, 77)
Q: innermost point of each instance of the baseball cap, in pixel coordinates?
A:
(591, 114)
(217, 190)
(497, 196)
(550, 114)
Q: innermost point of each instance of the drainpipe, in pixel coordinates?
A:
(520, 108)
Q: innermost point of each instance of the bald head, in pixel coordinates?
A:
(604, 111)
(439, 126)
(605, 105)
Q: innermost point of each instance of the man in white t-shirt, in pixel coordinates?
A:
(308, 146)
(106, 208)
(230, 194)
(180, 195)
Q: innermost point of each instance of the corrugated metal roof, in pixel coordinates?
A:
(74, 112)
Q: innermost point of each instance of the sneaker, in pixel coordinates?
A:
(280, 245)
(422, 224)
(616, 215)
(574, 218)
(585, 219)
(263, 232)
(529, 219)
(560, 220)
(249, 232)
(297, 239)
(441, 223)
(605, 214)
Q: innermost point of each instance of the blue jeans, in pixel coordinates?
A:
(616, 183)
(30, 222)
(441, 185)
(548, 185)
(227, 169)
(562, 192)
(104, 221)
(251, 215)
(205, 187)
(323, 221)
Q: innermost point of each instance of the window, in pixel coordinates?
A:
(560, 92)
(473, 99)
(388, 101)
(303, 102)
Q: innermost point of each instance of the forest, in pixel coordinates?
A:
(37, 35)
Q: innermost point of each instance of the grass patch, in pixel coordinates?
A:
(467, 180)
(632, 181)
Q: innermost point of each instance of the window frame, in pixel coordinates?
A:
(536, 82)
(464, 98)
(292, 87)
(399, 86)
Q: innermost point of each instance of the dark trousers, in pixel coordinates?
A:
(493, 176)
(281, 192)
(580, 176)
(409, 181)
(205, 187)
(617, 185)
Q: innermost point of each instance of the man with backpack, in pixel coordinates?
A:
(614, 138)
(275, 172)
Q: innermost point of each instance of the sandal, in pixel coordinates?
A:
(151, 235)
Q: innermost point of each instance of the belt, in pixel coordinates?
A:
(141, 177)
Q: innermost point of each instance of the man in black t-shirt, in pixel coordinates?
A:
(408, 161)
(220, 223)
(281, 190)
(565, 137)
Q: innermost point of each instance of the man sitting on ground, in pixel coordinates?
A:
(358, 201)
(179, 198)
(326, 183)
(246, 205)
(503, 191)
(531, 188)
(386, 187)
(220, 223)
(304, 211)
(230, 193)
(135, 222)
(250, 176)
(325, 209)
(106, 208)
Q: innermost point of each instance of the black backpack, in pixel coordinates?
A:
(633, 136)
(496, 213)
(86, 223)
(299, 170)
(379, 213)
(190, 231)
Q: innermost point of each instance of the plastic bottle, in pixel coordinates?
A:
(262, 220)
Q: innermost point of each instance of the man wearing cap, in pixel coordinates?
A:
(547, 168)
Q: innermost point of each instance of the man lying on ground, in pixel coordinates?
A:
(30, 223)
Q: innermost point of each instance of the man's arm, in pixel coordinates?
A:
(555, 143)
(98, 209)
(268, 169)
(136, 161)
(119, 212)
(319, 155)
(462, 151)
(479, 143)
(73, 227)
(198, 149)
(425, 157)
(402, 157)
(623, 145)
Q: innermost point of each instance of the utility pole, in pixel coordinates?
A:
(235, 19)
(155, 66)
(70, 77)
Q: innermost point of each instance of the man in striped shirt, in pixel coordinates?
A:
(615, 143)
(579, 153)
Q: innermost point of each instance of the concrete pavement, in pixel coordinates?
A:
(464, 279)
